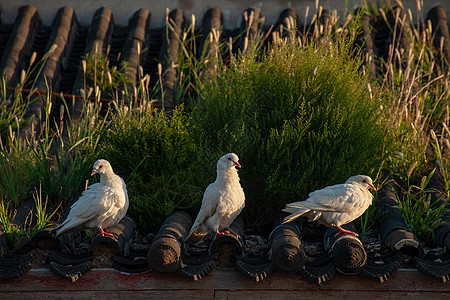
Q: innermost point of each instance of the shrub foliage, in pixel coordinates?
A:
(156, 158)
(299, 118)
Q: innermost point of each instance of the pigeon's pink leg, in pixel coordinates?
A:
(104, 232)
(218, 234)
(344, 231)
(232, 232)
(227, 231)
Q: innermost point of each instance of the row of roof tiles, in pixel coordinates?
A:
(62, 71)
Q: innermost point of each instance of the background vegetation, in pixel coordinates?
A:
(301, 114)
(296, 116)
(156, 156)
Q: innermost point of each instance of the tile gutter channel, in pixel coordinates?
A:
(217, 284)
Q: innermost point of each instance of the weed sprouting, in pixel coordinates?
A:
(43, 217)
(421, 215)
(107, 81)
(36, 219)
(13, 233)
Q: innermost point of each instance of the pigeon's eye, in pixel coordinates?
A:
(364, 181)
(101, 166)
(229, 158)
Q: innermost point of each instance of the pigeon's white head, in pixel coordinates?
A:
(363, 180)
(228, 161)
(101, 166)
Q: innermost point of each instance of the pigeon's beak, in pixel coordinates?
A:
(94, 172)
(237, 164)
(372, 187)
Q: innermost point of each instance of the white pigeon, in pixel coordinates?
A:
(222, 201)
(335, 205)
(101, 205)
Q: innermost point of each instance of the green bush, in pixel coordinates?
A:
(299, 118)
(156, 157)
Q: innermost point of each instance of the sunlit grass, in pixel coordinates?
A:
(422, 216)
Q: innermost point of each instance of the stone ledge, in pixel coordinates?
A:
(219, 284)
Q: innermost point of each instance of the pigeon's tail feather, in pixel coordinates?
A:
(295, 213)
(53, 231)
(306, 206)
(195, 236)
(58, 230)
(66, 226)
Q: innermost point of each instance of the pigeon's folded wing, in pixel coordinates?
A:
(122, 201)
(336, 197)
(95, 201)
(208, 208)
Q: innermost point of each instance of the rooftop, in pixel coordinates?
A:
(134, 32)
